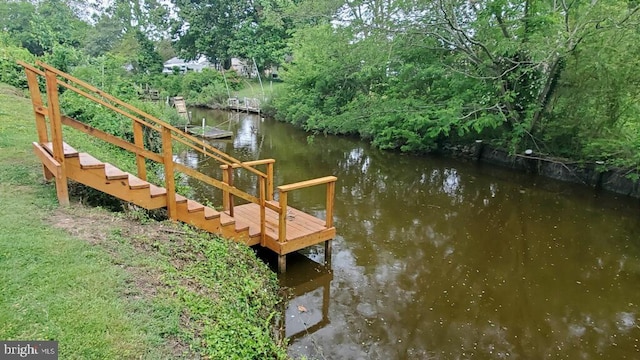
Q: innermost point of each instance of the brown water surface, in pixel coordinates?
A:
(442, 259)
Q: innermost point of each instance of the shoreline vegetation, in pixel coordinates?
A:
(119, 284)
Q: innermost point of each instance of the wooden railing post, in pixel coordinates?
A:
(331, 191)
(263, 225)
(282, 224)
(56, 136)
(269, 181)
(170, 184)
(39, 113)
(225, 193)
(138, 139)
(227, 197)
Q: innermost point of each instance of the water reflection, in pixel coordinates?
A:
(308, 286)
(439, 259)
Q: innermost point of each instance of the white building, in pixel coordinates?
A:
(184, 65)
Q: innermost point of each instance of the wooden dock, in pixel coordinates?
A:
(260, 220)
(250, 105)
(208, 132)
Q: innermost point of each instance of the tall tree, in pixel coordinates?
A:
(149, 16)
(40, 27)
(427, 69)
(221, 29)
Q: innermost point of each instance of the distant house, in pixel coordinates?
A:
(243, 67)
(183, 65)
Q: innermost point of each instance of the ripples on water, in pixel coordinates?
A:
(440, 259)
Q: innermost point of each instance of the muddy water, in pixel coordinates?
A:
(440, 259)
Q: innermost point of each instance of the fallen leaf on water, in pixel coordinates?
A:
(302, 308)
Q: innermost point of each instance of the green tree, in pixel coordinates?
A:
(104, 35)
(40, 27)
(415, 74)
(230, 28)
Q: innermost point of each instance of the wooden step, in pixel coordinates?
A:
(113, 173)
(89, 162)
(226, 220)
(210, 213)
(180, 199)
(194, 206)
(136, 183)
(68, 150)
(157, 191)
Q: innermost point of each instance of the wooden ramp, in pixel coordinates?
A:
(260, 221)
(181, 106)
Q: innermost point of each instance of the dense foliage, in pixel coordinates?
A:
(553, 76)
(557, 77)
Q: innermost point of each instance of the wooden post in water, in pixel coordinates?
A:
(282, 264)
(327, 252)
(55, 118)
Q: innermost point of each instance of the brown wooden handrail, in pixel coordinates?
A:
(169, 134)
(225, 158)
(227, 178)
(284, 190)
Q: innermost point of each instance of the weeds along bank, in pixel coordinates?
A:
(119, 285)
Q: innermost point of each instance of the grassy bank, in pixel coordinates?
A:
(118, 286)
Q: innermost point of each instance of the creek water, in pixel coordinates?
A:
(444, 259)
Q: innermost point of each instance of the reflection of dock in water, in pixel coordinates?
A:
(308, 285)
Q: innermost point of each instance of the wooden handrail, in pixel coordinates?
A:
(250, 163)
(307, 183)
(227, 178)
(284, 191)
(112, 139)
(169, 134)
(229, 159)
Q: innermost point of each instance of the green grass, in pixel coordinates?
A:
(252, 89)
(108, 287)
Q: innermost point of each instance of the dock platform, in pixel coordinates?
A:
(208, 132)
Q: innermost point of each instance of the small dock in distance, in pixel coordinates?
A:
(250, 105)
(181, 106)
(208, 132)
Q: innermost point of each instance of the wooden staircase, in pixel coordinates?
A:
(261, 220)
(87, 170)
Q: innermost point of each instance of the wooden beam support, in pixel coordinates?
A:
(39, 113)
(52, 166)
(53, 105)
(327, 253)
(282, 264)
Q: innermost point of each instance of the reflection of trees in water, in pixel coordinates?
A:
(447, 260)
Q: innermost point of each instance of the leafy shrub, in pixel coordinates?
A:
(10, 72)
